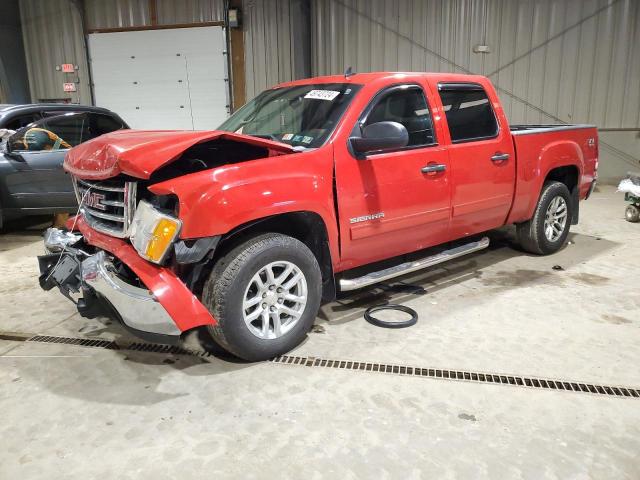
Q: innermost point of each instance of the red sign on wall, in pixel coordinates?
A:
(69, 87)
(67, 68)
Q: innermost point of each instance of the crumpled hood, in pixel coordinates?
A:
(139, 153)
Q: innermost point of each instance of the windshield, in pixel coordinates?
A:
(304, 115)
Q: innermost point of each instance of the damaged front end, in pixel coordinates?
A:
(93, 280)
(130, 254)
(102, 284)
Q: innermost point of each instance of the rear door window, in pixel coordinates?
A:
(468, 111)
(101, 124)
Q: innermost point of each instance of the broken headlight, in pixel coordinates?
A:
(153, 232)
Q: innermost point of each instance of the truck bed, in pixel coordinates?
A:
(540, 148)
(529, 129)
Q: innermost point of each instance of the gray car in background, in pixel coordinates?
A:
(32, 181)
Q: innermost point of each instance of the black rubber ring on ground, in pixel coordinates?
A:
(381, 323)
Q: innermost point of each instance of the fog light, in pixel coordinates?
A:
(153, 232)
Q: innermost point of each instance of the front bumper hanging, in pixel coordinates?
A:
(89, 274)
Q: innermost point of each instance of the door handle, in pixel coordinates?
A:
(433, 168)
(500, 157)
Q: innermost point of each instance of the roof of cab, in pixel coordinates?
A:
(364, 78)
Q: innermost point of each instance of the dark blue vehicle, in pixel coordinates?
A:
(32, 181)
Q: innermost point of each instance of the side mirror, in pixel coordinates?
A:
(380, 136)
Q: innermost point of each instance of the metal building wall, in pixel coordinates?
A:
(190, 11)
(52, 33)
(553, 61)
(116, 13)
(267, 44)
(266, 25)
(14, 78)
(135, 13)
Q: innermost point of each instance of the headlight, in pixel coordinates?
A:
(153, 232)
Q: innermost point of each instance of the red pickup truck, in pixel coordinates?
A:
(314, 187)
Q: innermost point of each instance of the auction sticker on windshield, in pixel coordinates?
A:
(322, 94)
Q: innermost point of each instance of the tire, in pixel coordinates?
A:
(238, 276)
(632, 214)
(534, 235)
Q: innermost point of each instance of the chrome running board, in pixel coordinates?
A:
(347, 284)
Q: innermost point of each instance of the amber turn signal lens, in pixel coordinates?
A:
(161, 239)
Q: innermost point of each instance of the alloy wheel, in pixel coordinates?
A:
(555, 219)
(274, 300)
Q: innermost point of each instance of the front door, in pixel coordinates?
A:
(482, 159)
(36, 153)
(394, 202)
(37, 180)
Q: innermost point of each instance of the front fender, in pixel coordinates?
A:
(213, 202)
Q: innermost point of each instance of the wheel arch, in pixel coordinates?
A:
(569, 175)
(305, 226)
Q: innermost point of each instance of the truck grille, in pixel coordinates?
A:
(107, 205)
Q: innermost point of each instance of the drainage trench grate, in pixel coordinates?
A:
(373, 367)
(104, 344)
(461, 375)
(80, 342)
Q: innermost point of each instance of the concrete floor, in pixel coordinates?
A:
(74, 412)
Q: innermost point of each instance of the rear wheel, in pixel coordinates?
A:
(632, 214)
(265, 295)
(548, 229)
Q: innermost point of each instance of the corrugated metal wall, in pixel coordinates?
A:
(52, 33)
(553, 61)
(116, 13)
(135, 13)
(266, 26)
(267, 44)
(190, 11)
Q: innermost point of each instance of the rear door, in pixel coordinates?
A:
(482, 158)
(389, 204)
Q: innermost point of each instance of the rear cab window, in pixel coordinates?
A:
(468, 110)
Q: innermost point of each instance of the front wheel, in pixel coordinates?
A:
(548, 229)
(265, 295)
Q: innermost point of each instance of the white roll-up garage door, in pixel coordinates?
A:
(162, 79)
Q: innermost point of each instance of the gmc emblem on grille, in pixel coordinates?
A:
(94, 200)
